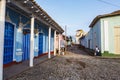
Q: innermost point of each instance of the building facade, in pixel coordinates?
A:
(79, 33)
(27, 31)
(105, 33)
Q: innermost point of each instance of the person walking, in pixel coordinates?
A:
(97, 51)
(62, 46)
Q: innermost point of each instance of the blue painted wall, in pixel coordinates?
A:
(96, 35)
(36, 48)
(15, 18)
(45, 38)
(21, 52)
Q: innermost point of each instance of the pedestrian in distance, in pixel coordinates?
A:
(62, 46)
(97, 51)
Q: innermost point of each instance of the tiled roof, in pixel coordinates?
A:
(115, 13)
(32, 7)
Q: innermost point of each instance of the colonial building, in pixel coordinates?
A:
(105, 33)
(26, 31)
(79, 34)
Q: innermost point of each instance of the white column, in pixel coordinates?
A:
(106, 37)
(55, 43)
(59, 43)
(2, 27)
(31, 42)
(66, 38)
(49, 40)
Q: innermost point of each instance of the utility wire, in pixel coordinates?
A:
(109, 3)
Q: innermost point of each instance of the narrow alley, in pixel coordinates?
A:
(74, 65)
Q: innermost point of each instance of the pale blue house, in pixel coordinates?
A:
(105, 33)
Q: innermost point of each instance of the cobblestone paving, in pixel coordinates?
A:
(73, 66)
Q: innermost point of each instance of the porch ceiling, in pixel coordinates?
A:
(29, 8)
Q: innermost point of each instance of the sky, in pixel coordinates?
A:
(77, 14)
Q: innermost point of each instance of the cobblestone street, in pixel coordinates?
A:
(75, 65)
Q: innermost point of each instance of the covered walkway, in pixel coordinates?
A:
(16, 69)
(27, 31)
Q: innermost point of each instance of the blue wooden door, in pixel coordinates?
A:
(26, 47)
(8, 43)
(40, 43)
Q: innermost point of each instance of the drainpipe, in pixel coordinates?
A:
(49, 40)
(2, 27)
(55, 43)
(32, 42)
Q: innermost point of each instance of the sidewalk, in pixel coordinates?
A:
(13, 70)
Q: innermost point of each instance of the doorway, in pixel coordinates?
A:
(26, 46)
(40, 43)
(8, 43)
(117, 40)
(89, 43)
